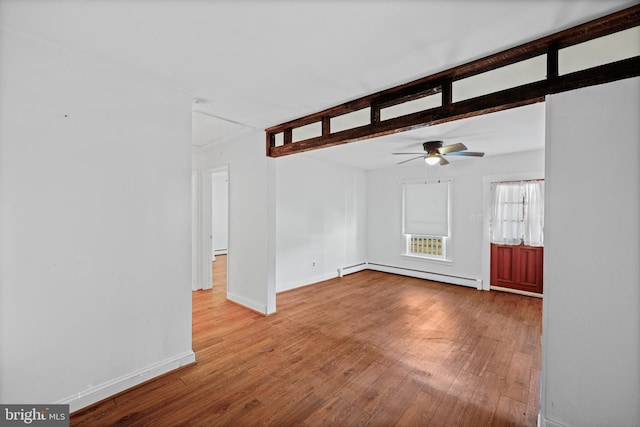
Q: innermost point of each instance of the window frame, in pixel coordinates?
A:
(517, 217)
(445, 240)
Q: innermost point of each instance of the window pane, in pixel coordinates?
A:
(431, 246)
(410, 107)
(311, 130)
(599, 51)
(351, 120)
(520, 73)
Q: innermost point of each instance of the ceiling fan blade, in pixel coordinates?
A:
(405, 161)
(459, 146)
(408, 153)
(467, 153)
(443, 161)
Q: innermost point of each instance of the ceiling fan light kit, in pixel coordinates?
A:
(435, 152)
(432, 160)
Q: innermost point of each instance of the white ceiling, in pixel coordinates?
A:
(208, 129)
(262, 63)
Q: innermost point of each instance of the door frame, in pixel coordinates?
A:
(219, 172)
(486, 209)
(206, 232)
(195, 230)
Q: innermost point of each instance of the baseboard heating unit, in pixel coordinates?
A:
(352, 269)
(420, 274)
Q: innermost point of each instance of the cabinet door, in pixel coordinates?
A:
(517, 267)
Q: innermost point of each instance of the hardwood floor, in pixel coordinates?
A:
(367, 349)
(219, 274)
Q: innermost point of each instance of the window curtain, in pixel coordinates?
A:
(426, 209)
(517, 213)
(507, 213)
(534, 213)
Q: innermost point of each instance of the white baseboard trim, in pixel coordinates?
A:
(107, 389)
(352, 269)
(249, 303)
(308, 281)
(322, 277)
(515, 291)
(546, 422)
(419, 274)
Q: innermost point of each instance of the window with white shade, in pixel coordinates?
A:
(426, 219)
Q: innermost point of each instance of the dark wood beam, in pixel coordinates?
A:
(375, 113)
(288, 136)
(442, 82)
(326, 125)
(400, 124)
(552, 62)
(447, 92)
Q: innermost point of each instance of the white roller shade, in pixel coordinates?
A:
(426, 209)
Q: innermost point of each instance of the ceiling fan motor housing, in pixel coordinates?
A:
(432, 146)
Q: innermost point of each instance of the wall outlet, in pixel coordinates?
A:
(313, 263)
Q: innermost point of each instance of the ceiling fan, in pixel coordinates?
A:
(436, 150)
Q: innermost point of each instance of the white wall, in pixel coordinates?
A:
(321, 218)
(339, 217)
(94, 224)
(251, 260)
(591, 340)
(386, 243)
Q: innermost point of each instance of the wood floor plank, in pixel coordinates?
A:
(519, 377)
(480, 356)
(367, 349)
(339, 410)
(394, 402)
(445, 373)
(374, 396)
(455, 402)
(289, 411)
(485, 400)
(420, 411)
(510, 413)
(533, 402)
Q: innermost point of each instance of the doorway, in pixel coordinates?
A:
(516, 235)
(210, 228)
(487, 284)
(219, 228)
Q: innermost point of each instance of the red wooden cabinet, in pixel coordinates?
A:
(517, 267)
